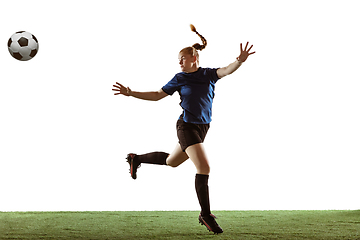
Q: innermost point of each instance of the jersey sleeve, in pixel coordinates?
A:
(212, 74)
(171, 87)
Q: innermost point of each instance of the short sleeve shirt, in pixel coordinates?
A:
(196, 92)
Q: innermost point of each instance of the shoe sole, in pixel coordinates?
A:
(130, 160)
(202, 222)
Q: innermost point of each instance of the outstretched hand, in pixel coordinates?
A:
(120, 89)
(244, 53)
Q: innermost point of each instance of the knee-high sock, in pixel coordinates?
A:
(152, 158)
(202, 191)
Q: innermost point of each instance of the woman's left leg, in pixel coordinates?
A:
(198, 156)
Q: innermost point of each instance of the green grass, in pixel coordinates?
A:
(180, 225)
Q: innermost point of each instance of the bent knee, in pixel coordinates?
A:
(172, 163)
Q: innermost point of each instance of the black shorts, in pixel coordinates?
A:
(190, 134)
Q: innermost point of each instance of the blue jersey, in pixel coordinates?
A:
(196, 92)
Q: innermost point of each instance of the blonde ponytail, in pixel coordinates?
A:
(197, 46)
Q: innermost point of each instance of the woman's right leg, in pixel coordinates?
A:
(174, 159)
(177, 157)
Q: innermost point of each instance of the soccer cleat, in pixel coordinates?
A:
(210, 223)
(133, 165)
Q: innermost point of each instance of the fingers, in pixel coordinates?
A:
(245, 49)
(120, 85)
(246, 46)
(118, 88)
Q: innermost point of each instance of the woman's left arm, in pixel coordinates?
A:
(222, 72)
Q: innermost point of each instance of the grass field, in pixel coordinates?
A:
(180, 225)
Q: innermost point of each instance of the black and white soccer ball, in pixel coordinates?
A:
(23, 46)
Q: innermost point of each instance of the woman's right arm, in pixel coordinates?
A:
(150, 96)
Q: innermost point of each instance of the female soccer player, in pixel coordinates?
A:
(196, 89)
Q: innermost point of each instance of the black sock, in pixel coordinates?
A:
(152, 158)
(202, 191)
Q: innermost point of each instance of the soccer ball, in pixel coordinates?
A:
(23, 46)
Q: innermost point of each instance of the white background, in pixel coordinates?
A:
(285, 131)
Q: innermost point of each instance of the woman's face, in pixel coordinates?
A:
(187, 62)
